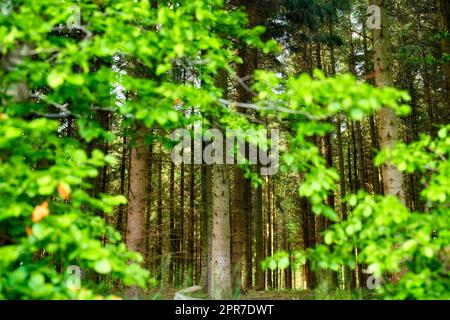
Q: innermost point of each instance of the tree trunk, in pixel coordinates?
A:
(123, 168)
(387, 120)
(221, 286)
(137, 202)
(181, 254)
(191, 220)
(239, 225)
(269, 237)
(342, 187)
(443, 19)
(206, 229)
(172, 246)
(259, 238)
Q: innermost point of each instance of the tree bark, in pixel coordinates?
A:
(221, 286)
(137, 202)
(259, 238)
(387, 120)
(443, 19)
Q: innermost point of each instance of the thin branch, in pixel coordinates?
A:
(272, 107)
(62, 107)
(244, 85)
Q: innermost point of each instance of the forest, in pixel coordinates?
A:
(224, 149)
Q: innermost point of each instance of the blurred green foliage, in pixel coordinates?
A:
(391, 239)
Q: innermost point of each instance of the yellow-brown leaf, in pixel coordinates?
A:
(40, 212)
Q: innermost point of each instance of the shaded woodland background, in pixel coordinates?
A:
(331, 36)
(171, 208)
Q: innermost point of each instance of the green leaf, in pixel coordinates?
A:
(328, 237)
(283, 263)
(103, 266)
(56, 78)
(9, 254)
(163, 68)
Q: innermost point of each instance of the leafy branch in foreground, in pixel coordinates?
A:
(389, 238)
(46, 216)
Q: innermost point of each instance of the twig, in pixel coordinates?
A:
(272, 107)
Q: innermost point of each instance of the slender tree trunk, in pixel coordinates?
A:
(206, 218)
(148, 261)
(181, 234)
(259, 239)
(287, 271)
(238, 222)
(312, 281)
(249, 243)
(429, 101)
(375, 172)
(342, 187)
(362, 172)
(191, 220)
(443, 19)
(123, 168)
(349, 159)
(173, 248)
(356, 178)
(368, 67)
(269, 238)
(160, 262)
(275, 234)
(242, 187)
(410, 136)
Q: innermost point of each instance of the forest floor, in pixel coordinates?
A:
(169, 294)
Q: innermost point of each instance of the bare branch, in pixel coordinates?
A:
(272, 107)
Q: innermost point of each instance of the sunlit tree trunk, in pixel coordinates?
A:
(387, 120)
(221, 286)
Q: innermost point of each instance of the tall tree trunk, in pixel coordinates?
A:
(443, 19)
(412, 135)
(259, 238)
(181, 234)
(269, 238)
(123, 168)
(173, 247)
(160, 262)
(148, 262)
(239, 226)
(387, 120)
(342, 186)
(429, 101)
(191, 220)
(368, 68)
(362, 171)
(242, 187)
(248, 282)
(312, 231)
(221, 240)
(137, 202)
(275, 233)
(205, 227)
(221, 286)
(286, 247)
